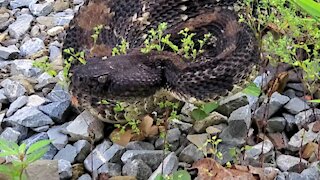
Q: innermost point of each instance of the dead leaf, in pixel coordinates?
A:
(123, 178)
(309, 150)
(278, 84)
(121, 138)
(147, 128)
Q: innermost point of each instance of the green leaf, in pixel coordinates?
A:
(22, 148)
(38, 145)
(6, 170)
(181, 175)
(209, 107)
(198, 114)
(9, 147)
(314, 101)
(310, 6)
(252, 90)
(36, 155)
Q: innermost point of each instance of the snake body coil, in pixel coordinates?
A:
(227, 59)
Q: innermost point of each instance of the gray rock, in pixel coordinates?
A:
(112, 169)
(21, 3)
(296, 105)
(173, 135)
(20, 26)
(296, 86)
(17, 104)
(55, 30)
(306, 117)
(41, 128)
(35, 100)
(290, 93)
(241, 114)
(31, 47)
(137, 168)
(24, 67)
(30, 117)
(56, 110)
(10, 52)
(35, 138)
(77, 2)
(62, 18)
(139, 145)
(255, 151)
(45, 79)
(188, 108)
(50, 153)
(64, 169)
(114, 153)
(286, 162)
(96, 158)
(311, 173)
(12, 89)
(55, 55)
(290, 122)
(59, 140)
(190, 154)
(212, 119)
(276, 102)
(17, 127)
(152, 158)
(183, 126)
(83, 148)
(67, 153)
(85, 177)
(58, 94)
(41, 9)
(83, 125)
(308, 136)
(3, 98)
(276, 124)
(10, 134)
(168, 166)
(231, 103)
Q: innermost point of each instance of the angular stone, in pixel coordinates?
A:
(21, 3)
(296, 86)
(17, 104)
(152, 158)
(279, 140)
(212, 119)
(311, 173)
(3, 98)
(41, 9)
(35, 100)
(67, 153)
(60, 5)
(30, 117)
(83, 148)
(199, 139)
(45, 79)
(96, 158)
(296, 105)
(43, 169)
(276, 102)
(64, 169)
(190, 154)
(10, 134)
(112, 169)
(62, 18)
(290, 122)
(183, 126)
(35, 138)
(58, 94)
(20, 26)
(308, 136)
(56, 110)
(55, 55)
(50, 153)
(276, 124)
(10, 52)
(286, 162)
(31, 47)
(41, 129)
(24, 67)
(85, 177)
(256, 150)
(241, 114)
(231, 103)
(83, 124)
(55, 30)
(12, 89)
(306, 117)
(168, 166)
(139, 145)
(137, 168)
(59, 140)
(173, 135)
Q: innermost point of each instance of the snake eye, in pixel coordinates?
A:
(102, 79)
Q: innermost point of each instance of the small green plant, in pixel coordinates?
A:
(121, 48)
(172, 106)
(154, 39)
(79, 56)
(204, 110)
(252, 89)
(97, 30)
(178, 175)
(22, 157)
(45, 66)
(235, 152)
(213, 142)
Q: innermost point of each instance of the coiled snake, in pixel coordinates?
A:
(226, 61)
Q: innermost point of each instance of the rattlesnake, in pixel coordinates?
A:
(226, 61)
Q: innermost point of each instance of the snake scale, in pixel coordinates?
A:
(228, 58)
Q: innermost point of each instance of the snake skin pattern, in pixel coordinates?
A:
(228, 57)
